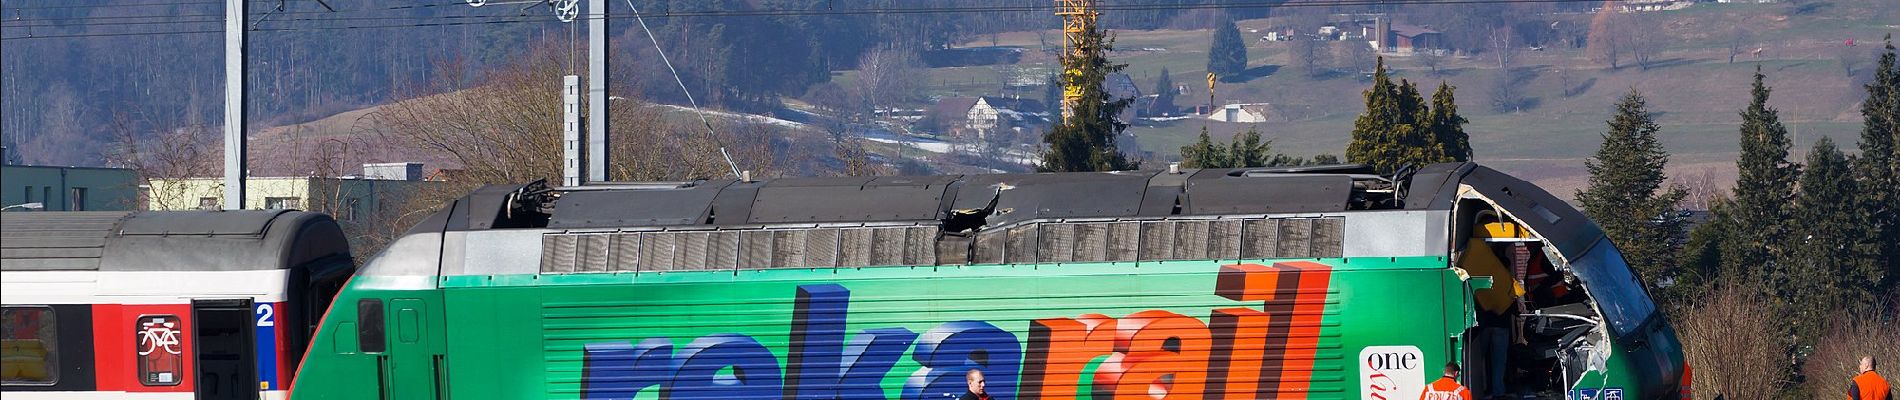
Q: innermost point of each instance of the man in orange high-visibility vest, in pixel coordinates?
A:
(1869, 385)
(1446, 387)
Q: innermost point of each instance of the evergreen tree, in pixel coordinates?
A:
(1399, 128)
(1164, 94)
(1372, 131)
(1762, 191)
(1699, 265)
(1228, 55)
(1447, 127)
(1325, 159)
(1204, 153)
(1249, 150)
(1283, 160)
(1626, 195)
(1832, 251)
(1878, 167)
(1052, 93)
(1084, 140)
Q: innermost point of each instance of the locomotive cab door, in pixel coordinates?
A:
(409, 365)
(226, 355)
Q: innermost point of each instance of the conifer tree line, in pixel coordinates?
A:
(1247, 150)
(1400, 129)
(1818, 236)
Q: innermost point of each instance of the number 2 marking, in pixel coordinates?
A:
(266, 315)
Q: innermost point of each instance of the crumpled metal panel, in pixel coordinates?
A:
(1025, 197)
(990, 247)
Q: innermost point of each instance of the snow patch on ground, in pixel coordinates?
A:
(753, 118)
(925, 144)
(1165, 119)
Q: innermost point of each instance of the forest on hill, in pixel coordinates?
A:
(77, 71)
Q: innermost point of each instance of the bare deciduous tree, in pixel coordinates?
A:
(505, 128)
(1702, 188)
(1851, 59)
(1429, 58)
(1359, 55)
(1604, 42)
(1739, 39)
(1501, 42)
(62, 139)
(887, 76)
(1310, 56)
(1643, 35)
(191, 151)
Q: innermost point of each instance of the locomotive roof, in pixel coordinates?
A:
(166, 240)
(1312, 212)
(1002, 200)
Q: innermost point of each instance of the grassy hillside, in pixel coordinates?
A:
(1697, 91)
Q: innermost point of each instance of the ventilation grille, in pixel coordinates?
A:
(738, 249)
(1028, 243)
(1217, 239)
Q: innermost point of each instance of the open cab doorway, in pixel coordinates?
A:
(1554, 310)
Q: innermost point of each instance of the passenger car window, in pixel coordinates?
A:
(160, 352)
(29, 346)
(1617, 292)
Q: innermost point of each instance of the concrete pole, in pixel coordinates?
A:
(234, 56)
(597, 142)
(571, 130)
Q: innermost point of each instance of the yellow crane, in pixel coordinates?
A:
(1078, 18)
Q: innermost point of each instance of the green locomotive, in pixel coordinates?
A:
(1318, 283)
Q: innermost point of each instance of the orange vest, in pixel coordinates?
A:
(1445, 388)
(1868, 386)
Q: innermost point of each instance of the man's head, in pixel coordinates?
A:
(1867, 363)
(1451, 370)
(974, 379)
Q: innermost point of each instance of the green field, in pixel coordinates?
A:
(1696, 92)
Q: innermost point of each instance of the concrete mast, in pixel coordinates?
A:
(597, 143)
(234, 107)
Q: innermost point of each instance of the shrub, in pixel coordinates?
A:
(1730, 338)
(1836, 357)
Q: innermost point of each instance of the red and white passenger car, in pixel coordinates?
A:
(162, 305)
